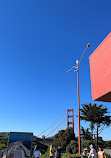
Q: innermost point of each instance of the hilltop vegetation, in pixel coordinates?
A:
(3, 141)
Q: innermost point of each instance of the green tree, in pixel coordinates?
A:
(63, 138)
(85, 144)
(96, 115)
(86, 114)
(85, 134)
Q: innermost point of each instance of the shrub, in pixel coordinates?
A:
(66, 155)
(72, 148)
(86, 144)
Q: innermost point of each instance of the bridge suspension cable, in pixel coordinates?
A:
(55, 128)
(52, 124)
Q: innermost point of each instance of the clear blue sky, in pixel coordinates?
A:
(39, 41)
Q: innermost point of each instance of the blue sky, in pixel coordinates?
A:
(39, 41)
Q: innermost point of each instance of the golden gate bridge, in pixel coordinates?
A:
(66, 120)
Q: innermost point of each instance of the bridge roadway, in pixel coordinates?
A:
(45, 141)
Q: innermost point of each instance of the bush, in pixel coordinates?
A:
(3, 141)
(72, 148)
(86, 144)
(45, 156)
(66, 155)
(68, 149)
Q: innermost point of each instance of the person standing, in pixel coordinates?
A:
(58, 152)
(51, 151)
(92, 152)
(85, 153)
(36, 153)
(101, 154)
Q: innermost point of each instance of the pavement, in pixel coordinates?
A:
(108, 151)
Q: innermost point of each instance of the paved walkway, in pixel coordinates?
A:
(108, 151)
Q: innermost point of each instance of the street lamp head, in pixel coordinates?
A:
(89, 44)
(69, 70)
(77, 61)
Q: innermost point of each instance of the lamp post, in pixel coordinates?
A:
(77, 69)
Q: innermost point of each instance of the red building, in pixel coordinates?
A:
(100, 70)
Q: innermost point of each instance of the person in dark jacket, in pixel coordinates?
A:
(58, 152)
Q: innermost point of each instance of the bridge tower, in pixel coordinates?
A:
(70, 118)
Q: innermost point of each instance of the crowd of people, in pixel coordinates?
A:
(57, 154)
(93, 153)
(52, 154)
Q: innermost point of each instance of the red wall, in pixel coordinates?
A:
(100, 71)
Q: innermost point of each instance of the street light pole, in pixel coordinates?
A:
(79, 140)
(77, 69)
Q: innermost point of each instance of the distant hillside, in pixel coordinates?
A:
(6, 133)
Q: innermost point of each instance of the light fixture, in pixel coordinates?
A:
(77, 61)
(89, 44)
